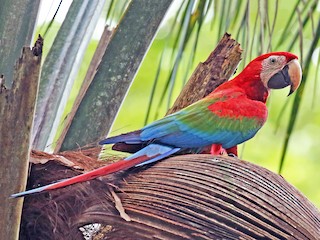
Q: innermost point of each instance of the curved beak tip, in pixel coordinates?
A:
(291, 91)
(295, 75)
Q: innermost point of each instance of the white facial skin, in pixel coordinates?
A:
(271, 66)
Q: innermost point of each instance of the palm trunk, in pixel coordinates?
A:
(16, 113)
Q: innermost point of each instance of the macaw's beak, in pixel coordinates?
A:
(290, 74)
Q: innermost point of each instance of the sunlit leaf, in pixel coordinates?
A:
(60, 68)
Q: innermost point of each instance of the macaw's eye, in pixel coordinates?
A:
(273, 60)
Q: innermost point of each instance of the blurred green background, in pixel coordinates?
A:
(259, 26)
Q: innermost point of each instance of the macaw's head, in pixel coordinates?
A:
(277, 70)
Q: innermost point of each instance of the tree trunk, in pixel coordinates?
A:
(16, 114)
(17, 18)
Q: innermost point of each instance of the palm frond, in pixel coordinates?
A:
(298, 96)
(305, 20)
(154, 86)
(180, 43)
(315, 88)
(60, 68)
(117, 69)
(288, 26)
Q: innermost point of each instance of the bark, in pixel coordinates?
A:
(16, 114)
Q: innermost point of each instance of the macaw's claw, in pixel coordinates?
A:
(232, 155)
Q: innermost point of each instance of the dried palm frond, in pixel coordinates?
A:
(184, 197)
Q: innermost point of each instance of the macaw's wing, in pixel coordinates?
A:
(227, 120)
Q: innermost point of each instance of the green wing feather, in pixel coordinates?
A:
(198, 125)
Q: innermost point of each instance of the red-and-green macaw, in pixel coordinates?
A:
(230, 115)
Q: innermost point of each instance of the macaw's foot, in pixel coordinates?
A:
(217, 149)
(232, 152)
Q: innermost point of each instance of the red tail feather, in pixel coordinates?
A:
(114, 167)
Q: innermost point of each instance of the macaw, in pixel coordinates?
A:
(228, 116)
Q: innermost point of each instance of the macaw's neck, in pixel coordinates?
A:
(252, 86)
